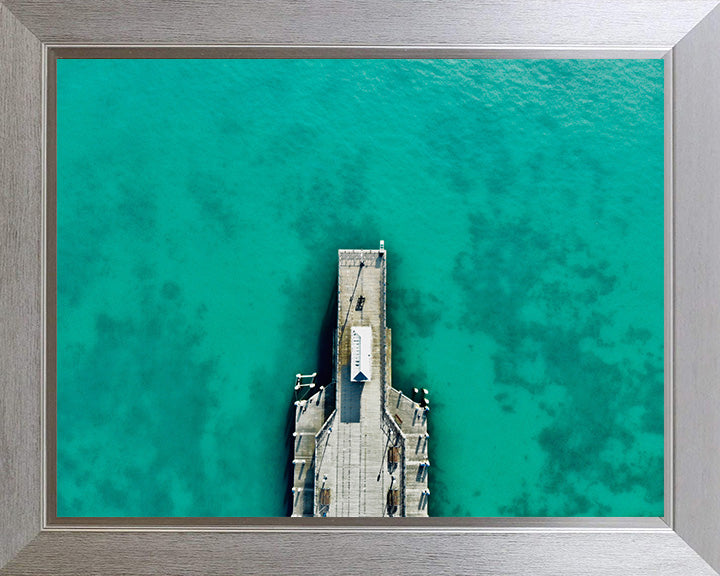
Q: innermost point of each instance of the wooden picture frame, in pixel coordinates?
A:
(686, 33)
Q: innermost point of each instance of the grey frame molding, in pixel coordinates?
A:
(686, 32)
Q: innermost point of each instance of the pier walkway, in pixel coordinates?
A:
(369, 458)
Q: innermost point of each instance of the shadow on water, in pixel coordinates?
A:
(324, 369)
(288, 474)
(326, 340)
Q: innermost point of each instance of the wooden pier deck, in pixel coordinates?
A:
(346, 456)
(415, 441)
(310, 415)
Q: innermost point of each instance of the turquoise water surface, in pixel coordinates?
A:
(201, 204)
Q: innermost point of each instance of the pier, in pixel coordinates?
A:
(360, 446)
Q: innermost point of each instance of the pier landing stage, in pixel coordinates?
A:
(370, 454)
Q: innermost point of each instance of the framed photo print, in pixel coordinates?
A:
(361, 289)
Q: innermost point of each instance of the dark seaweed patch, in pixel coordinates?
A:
(599, 395)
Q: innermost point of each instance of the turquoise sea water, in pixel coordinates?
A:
(201, 204)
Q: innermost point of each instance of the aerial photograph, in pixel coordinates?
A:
(359, 288)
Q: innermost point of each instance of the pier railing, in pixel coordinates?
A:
(393, 429)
